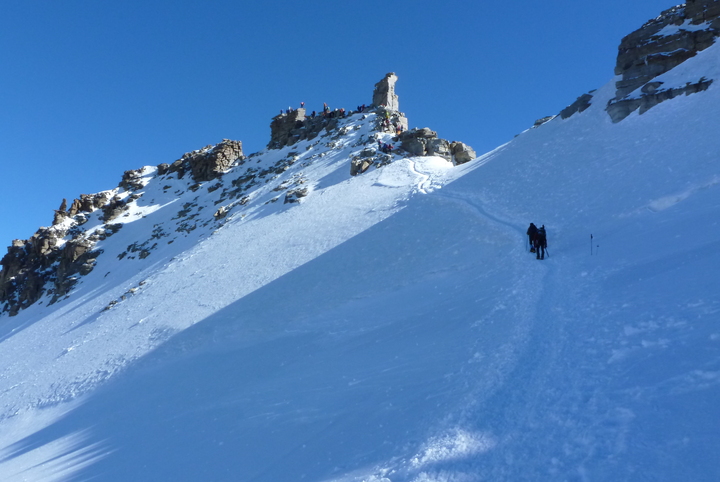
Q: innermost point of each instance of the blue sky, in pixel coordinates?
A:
(90, 89)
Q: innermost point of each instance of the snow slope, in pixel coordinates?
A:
(393, 327)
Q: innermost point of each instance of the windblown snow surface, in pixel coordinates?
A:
(393, 327)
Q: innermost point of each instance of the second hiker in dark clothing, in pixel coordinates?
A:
(532, 232)
(540, 242)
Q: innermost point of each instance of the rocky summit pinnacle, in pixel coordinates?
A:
(384, 94)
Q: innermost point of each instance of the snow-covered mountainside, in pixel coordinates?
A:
(388, 326)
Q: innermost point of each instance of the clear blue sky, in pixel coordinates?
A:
(89, 89)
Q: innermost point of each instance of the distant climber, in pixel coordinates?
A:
(302, 105)
(540, 243)
(532, 232)
(387, 148)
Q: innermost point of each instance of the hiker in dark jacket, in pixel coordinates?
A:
(540, 243)
(532, 232)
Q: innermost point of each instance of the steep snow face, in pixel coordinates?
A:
(385, 329)
(172, 263)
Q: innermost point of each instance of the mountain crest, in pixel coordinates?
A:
(212, 185)
(660, 45)
(644, 56)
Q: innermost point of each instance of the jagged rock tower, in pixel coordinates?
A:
(384, 94)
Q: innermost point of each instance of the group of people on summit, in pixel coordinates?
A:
(385, 147)
(326, 112)
(538, 240)
(391, 123)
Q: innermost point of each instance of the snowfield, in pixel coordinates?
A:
(392, 327)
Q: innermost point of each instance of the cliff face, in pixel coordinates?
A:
(657, 47)
(52, 259)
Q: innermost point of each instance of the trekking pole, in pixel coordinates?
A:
(547, 251)
(591, 241)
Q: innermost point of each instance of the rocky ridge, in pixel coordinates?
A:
(660, 45)
(210, 185)
(663, 43)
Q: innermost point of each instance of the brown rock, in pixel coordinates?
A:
(211, 163)
(132, 180)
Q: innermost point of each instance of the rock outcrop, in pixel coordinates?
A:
(652, 96)
(285, 129)
(462, 153)
(88, 203)
(542, 120)
(42, 265)
(663, 43)
(415, 141)
(131, 180)
(289, 128)
(368, 157)
(207, 163)
(49, 262)
(294, 195)
(60, 213)
(384, 93)
(699, 11)
(425, 142)
(114, 208)
(582, 103)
